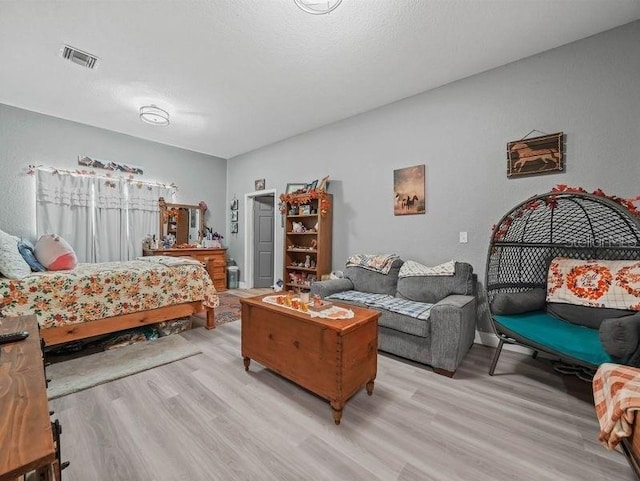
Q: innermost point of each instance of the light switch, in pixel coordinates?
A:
(463, 237)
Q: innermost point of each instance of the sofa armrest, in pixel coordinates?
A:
(620, 337)
(332, 286)
(453, 329)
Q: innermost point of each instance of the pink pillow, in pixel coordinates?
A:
(55, 253)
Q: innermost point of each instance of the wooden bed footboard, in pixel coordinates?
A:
(54, 336)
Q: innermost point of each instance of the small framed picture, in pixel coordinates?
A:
(234, 228)
(305, 209)
(234, 216)
(294, 188)
(260, 184)
(234, 204)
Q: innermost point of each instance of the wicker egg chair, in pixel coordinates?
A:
(568, 224)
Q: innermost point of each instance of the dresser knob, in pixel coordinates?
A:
(296, 344)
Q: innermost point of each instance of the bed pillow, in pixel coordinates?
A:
(28, 253)
(55, 253)
(12, 264)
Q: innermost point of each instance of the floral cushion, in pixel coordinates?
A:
(12, 264)
(595, 283)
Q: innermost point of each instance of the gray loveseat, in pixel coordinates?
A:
(440, 337)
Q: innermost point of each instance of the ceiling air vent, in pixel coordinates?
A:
(78, 56)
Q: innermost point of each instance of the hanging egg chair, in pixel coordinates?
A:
(567, 224)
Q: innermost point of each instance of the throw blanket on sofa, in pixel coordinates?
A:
(418, 310)
(616, 394)
(595, 283)
(372, 262)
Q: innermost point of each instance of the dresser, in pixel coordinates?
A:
(214, 260)
(27, 436)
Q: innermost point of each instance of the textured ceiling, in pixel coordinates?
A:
(236, 75)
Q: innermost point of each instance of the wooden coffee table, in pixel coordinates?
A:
(331, 358)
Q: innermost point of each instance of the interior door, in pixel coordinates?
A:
(263, 241)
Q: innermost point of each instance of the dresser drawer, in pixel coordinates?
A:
(218, 273)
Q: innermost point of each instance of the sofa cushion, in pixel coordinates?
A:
(431, 289)
(518, 302)
(418, 310)
(405, 324)
(365, 298)
(369, 281)
(584, 315)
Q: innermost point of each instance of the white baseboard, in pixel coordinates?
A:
(242, 285)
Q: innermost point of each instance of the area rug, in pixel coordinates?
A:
(84, 372)
(229, 309)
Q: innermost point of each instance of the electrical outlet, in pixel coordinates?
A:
(463, 237)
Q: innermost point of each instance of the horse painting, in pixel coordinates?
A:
(535, 155)
(408, 190)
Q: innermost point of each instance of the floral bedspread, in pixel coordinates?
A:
(96, 291)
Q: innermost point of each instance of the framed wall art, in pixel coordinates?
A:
(294, 188)
(535, 155)
(409, 191)
(260, 184)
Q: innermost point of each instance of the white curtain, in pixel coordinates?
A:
(103, 219)
(144, 214)
(64, 207)
(111, 239)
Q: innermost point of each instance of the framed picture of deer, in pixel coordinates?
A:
(536, 155)
(409, 193)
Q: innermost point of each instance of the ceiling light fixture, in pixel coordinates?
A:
(154, 115)
(318, 7)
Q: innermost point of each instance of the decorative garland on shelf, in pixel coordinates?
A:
(323, 200)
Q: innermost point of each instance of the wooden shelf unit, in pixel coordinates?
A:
(313, 245)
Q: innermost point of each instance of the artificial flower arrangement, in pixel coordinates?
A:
(304, 198)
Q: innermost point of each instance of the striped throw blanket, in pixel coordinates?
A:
(372, 262)
(419, 310)
(616, 394)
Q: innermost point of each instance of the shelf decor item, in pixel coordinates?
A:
(319, 201)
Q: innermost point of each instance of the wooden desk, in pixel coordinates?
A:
(26, 438)
(331, 358)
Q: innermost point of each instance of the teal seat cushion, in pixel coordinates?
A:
(541, 330)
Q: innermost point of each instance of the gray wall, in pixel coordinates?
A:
(590, 90)
(30, 138)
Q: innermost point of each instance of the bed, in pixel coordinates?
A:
(97, 299)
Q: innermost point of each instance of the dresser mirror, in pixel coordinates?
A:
(185, 222)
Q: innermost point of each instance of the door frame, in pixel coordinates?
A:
(249, 236)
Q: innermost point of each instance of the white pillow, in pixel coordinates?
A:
(415, 269)
(12, 264)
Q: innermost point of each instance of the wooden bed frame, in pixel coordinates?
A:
(54, 336)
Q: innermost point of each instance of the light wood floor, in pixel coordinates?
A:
(205, 418)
